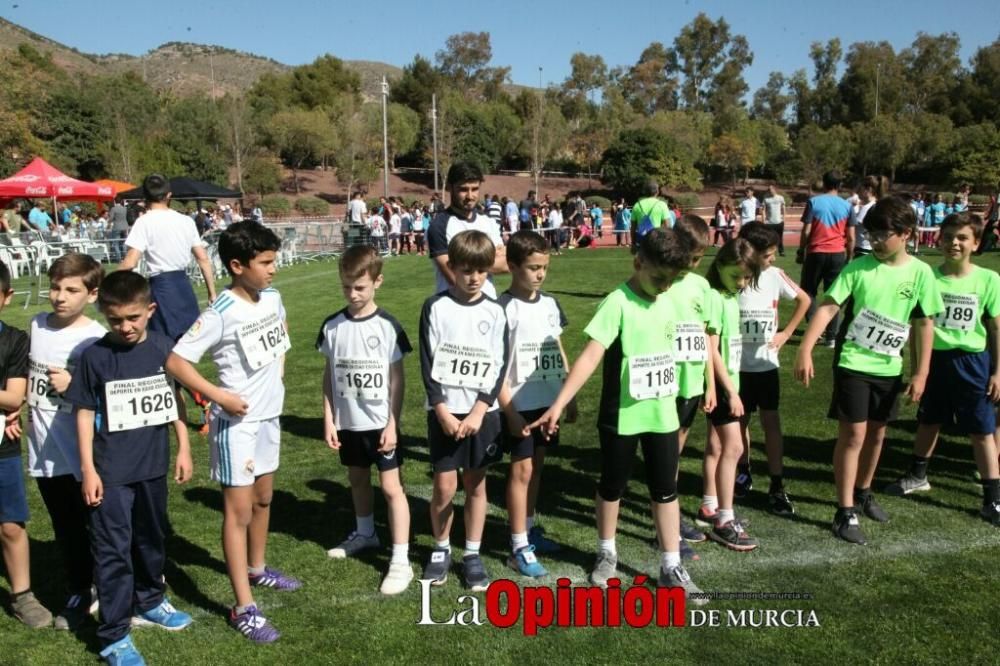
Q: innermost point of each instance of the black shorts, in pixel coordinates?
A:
(474, 452)
(720, 416)
(360, 449)
(956, 393)
(859, 397)
(760, 390)
(524, 447)
(687, 409)
(660, 454)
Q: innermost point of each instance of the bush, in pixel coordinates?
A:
(312, 206)
(687, 200)
(946, 196)
(979, 200)
(275, 206)
(603, 202)
(262, 176)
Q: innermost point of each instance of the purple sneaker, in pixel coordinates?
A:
(275, 579)
(253, 625)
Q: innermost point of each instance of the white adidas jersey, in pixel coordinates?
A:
(52, 440)
(247, 341)
(463, 352)
(759, 318)
(537, 368)
(360, 352)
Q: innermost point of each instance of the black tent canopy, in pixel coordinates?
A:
(188, 189)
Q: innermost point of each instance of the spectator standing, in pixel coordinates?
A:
(774, 216)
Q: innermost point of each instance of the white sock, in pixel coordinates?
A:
(472, 547)
(710, 502)
(366, 525)
(669, 561)
(256, 571)
(400, 553)
(726, 515)
(608, 545)
(518, 541)
(446, 544)
(531, 522)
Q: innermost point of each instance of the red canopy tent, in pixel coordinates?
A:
(41, 180)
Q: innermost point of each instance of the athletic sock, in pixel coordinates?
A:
(531, 522)
(256, 571)
(991, 491)
(239, 610)
(443, 545)
(518, 541)
(725, 516)
(608, 545)
(670, 561)
(472, 547)
(918, 466)
(366, 525)
(710, 502)
(400, 553)
(777, 484)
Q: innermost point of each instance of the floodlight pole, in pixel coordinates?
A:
(385, 138)
(538, 129)
(434, 136)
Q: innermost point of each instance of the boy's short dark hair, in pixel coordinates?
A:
(471, 249)
(75, 264)
(359, 260)
(663, 248)
(245, 240)
(464, 172)
(760, 236)
(4, 278)
(891, 213)
(693, 230)
(832, 180)
(123, 288)
(523, 244)
(155, 187)
(964, 219)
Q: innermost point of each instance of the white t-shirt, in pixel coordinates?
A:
(377, 225)
(861, 241)
(555, 218)
(166, 238)
(537, 368)
(360, 352)
(446, 226)
(748, 210)
(773, 209)
(356, 210)
(52, 440)
(395, 224)
(247, 341)
(759, 318)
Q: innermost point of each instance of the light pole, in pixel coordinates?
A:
(538, 129)
(434, 137)
(385, 138)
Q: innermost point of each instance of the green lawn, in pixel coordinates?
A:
(920, 592)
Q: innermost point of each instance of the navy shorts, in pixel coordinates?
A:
(859, 397)
(760, 390)
(687, 409)
(475, 452)
(524, 447)
(13, 500)
(956, 392)
(721, 415)
(360, 449)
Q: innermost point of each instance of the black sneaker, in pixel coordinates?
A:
(437, 567)
(847, 527)
(744, 483)
(474, 572)
(75, 613)
(733, 536)
(779, 503)
(991, 513)
(691, 533)
(871, 508)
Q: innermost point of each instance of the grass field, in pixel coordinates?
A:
(923, 591)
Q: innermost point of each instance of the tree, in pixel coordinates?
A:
(416, 86)
(735, 153)
(195, 133)
(403, 127)
(354, 152)
(882, 145)
(933, 70)
(984, 83)
(262, 175)
(321, 82)
(464, 61)
(873, 71)
(691, 131)
(712, 62)
(771, 102)
(301, 136)
(974, 158)
(240, 132)
(640, 154)
(650, 85)
(820, 150)
(820, 104)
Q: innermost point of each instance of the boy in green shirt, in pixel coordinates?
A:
(880, 294)
(633, 332)
(961, 386)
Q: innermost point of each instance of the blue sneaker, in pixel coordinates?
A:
(164, 616)
(525, 562)
(543, 545)
(123, 653)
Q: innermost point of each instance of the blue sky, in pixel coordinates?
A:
(526, 35)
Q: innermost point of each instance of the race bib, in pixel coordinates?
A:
(136, 403)
(959, 312)
(41, 395)
(757, 326)
(691, 345)
(263, 341)
(877, 333)
(464, 366)
(539, 362)
(361, 378)
(652, 376)
(735, 354)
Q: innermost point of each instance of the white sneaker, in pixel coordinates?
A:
(352, 545)
(397, 579)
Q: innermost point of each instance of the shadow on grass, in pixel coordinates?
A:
(181, 553)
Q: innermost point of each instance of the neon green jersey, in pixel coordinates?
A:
(691, 299)
(639, 387)
(726, 324)
(960, 324)
(879, 301)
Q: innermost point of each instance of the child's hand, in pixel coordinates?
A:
(470, 425)
(93, 489)
(12, 424)
(778, 341)
(572, 413)
(803, 369)
(330, 434)
(735, 406)
(59, 379)
(183, 468)
(548, 422)
(233, 404)
(709, 402)
(916, 388)
(449, 424)
(993, 388)
(387, 442)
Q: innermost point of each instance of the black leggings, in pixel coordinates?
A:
(660, 451)
(70, 518)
